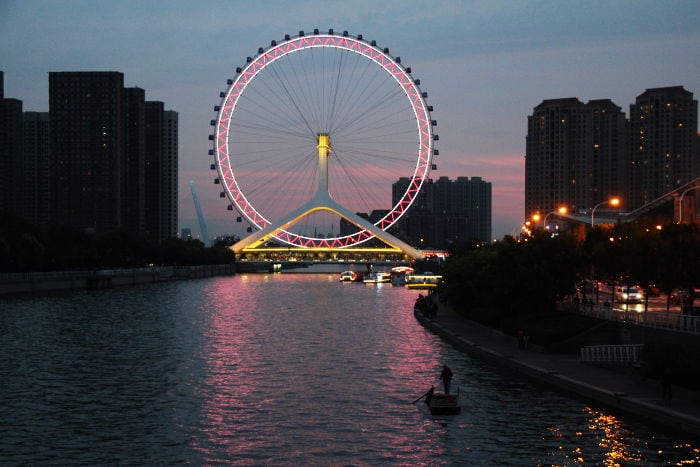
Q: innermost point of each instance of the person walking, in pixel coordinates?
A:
(446, 377)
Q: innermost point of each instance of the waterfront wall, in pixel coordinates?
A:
(36, 282)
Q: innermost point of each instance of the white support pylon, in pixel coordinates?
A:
(322, 201)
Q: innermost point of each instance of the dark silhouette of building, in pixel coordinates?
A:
(169, 174)
(134, 181)
(663, 138)
(113, 156)
(87, 148)
(10, 152)
(446, 211)
(579, 155)
(34, 181)
(575, 155)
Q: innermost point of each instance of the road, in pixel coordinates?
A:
(657, 304)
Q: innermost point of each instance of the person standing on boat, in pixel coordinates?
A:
(446, 377)
(429, 395)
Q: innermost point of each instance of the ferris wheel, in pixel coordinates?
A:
(330, 93)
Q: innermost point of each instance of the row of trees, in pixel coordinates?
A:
(516, 278)
(24, 248)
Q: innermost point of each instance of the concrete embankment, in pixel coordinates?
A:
(567, 373)
(18, 283)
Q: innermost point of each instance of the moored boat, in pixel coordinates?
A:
(377, 278)
(426, 280)
(348, 276)
(399, 274)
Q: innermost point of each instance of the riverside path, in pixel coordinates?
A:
(566, 372)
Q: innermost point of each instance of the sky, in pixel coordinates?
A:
(484, 64)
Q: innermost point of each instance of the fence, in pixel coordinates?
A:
(675, 321)
(611, 354)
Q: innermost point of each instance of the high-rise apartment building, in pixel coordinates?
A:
(10, 152)
(87, 148)
(114, 156)
(446, 211)
(575, 155)
(472, 197)
(134, 178)
(663, 136)
(169, 173)
(35, 179)
(579, 155)
(154, 156)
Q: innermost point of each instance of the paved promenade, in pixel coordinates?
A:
(566, 372)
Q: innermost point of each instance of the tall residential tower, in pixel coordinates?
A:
(574, 156)
(663, 138)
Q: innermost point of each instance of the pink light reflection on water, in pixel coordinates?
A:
(341, 371)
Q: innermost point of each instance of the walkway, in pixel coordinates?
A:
(566, 372)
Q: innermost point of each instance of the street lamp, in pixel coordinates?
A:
(680, 203)
(561, 211)
(611, 202)
(536, 217)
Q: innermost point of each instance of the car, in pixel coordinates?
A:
(679, 295)
(629, 294)
(653, 290)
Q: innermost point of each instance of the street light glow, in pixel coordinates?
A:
(611, 202)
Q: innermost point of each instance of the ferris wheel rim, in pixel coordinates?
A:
(245, 75)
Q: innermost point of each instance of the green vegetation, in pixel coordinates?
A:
(24, 248)
(515, 283)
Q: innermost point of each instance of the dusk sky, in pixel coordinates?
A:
(485, 65)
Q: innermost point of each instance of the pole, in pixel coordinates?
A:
(680, 203)
(593, 212)
(200, 215)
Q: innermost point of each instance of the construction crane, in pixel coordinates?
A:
(200, 216)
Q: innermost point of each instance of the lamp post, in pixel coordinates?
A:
(611, 202)
(561, 211)
(680, 203)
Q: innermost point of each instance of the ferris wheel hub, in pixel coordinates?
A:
(324, 145)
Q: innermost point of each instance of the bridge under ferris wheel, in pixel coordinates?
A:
(273, 239)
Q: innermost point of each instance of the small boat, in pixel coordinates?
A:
(443, 404)
(377, 278)
(348, 276)
(427, 280)
(399, 274)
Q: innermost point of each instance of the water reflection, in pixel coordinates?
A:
(276, 370)
(615, 439)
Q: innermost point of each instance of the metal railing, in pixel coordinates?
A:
(674, 321)
(611, 354)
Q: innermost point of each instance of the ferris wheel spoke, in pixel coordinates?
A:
(276, 110)
(361, 104)
(350, 92)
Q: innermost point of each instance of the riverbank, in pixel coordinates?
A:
(36, 282)
(565, 372)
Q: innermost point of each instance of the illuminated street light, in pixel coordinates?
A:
(611, 202)
(536, 217)
(561, 211)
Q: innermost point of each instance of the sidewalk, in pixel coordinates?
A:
(611, 388)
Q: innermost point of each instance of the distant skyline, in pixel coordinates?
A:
(485, 66)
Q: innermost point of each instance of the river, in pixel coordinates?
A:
(276, 369)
